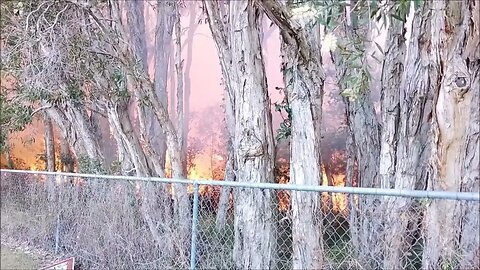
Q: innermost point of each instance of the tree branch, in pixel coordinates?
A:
(288, 28)
(40, 109)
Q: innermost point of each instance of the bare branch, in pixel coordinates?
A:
(40, 109)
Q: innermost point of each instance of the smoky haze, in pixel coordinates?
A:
(206, 134)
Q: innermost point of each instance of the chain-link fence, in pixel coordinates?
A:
(116, 222)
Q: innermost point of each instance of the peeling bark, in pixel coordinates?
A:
(242, 65)
(304, 79)
(455, 59)
(405, 151)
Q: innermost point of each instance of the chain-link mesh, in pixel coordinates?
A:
(119, 224)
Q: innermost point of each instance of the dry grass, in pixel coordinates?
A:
(102, 224)
(13, 259)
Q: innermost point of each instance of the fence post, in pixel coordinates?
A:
(193, 247)
(57, 235)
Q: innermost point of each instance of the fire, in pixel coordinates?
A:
(338, 201)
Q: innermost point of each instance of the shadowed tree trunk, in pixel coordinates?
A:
(163, 40)
(364, 133)
(8, 154)
(49, 143)
(49, 152)
(192, 27)
(218, 20)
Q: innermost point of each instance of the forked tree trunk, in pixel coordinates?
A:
(78, 130)
(455, 58)
(304, 78)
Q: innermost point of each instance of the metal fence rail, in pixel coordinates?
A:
(108, 223)
(467, 196)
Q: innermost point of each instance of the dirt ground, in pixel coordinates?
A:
(13, 259)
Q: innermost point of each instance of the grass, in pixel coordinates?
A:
(11, 259)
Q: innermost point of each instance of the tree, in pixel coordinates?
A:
(243, 69)
(89, 64)
(218, 19)
(304, 78)
(454, 69)
(423, 85)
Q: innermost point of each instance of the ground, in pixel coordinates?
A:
(13, 259)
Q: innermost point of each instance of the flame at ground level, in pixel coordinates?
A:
(336, 202)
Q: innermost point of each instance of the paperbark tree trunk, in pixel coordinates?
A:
(79, 130)
(455, 67)
(406, 106)
(163, 40)
(304, 79)
(253, 137)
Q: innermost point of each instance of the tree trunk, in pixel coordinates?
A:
(219, 28)
(365, 214)
(405, 133)
(120, 121)
(224, 200)
(79, 131)
(136, 26)
(8, 154)
(455, 59)
(192, 27)
(304, 78)
(66, 157)
(49, 154)
(254, 246)
(49, 143)
(163, 39)
(180, 96)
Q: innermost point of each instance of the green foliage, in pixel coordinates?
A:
(285, 129)
(120, 84)
(283, 108)
(353, 39)
(89, 165)
(14, 116)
